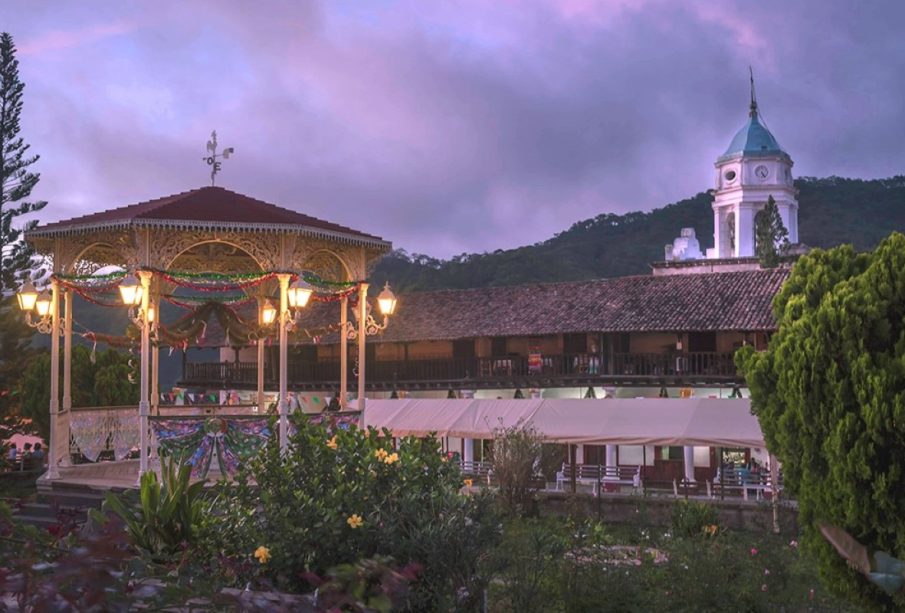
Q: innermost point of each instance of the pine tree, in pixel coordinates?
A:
(16, 181)
(771, 236)
(16, 184)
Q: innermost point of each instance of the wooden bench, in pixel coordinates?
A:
(596, 475)
(744, 480)
(479, 471)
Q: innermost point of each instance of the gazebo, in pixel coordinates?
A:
(204, 242)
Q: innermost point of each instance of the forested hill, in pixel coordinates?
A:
(832, 211)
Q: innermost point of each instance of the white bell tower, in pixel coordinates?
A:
(753, 168)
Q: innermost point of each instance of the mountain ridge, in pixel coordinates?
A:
(832, 211)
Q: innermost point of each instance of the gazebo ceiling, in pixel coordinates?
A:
(208, 208)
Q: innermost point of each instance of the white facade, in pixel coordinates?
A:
(742, 188)
(752, 169)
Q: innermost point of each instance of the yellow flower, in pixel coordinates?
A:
(262, 553)
(355, 521)
(467, 482)
(710, 530)
(394, 457)
(332, 443)
(381, 454)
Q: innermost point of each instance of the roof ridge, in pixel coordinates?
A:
(600, 280)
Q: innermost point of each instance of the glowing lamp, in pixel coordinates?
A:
(130, 290)
(268, 313)
(42, 304)
(27, 296)
(299, 294)
(387, 300)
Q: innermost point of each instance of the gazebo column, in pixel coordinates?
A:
(689, 463)
(261, 405)
(284, 359)
(362, 333)
(343, 352)
(63, 417)
(143, 404)
(155, 362)
(53, 456)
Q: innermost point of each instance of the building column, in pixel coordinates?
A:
(468, 449)
(579, 454)
(343, 352)
(53, 451)
(284, 361)
(689, 463)
(64, 416)
(611, 456)
(362, 333)
(144, 405)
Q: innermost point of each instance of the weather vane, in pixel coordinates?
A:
(211, 157)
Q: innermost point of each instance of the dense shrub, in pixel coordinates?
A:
(691, 518)
(340, 496)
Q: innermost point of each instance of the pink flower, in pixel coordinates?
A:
(793, 544)
(763, 588)
(753, 551)
(766, 572)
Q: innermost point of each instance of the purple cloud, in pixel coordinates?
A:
(448, 126)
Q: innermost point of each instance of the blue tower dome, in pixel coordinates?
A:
(754, 139)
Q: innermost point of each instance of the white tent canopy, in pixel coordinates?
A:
(640, 421)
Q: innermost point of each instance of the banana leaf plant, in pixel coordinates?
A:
(167, 513)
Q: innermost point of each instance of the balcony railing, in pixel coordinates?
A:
(548, 368)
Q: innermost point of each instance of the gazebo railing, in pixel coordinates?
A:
(95, 430)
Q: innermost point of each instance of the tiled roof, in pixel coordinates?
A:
(203, 207)
(725, 301)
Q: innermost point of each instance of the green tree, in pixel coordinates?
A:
(829, 393)
(100, 382)
(770, 235)
(16, 181)
(16, 184)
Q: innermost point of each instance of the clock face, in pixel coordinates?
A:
(761, 172)
(729, 176)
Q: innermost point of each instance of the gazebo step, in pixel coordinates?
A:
(71, 500)
(39, 521)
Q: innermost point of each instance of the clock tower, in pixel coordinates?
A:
(753, 168)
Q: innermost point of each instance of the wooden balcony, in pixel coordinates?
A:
(639, 369)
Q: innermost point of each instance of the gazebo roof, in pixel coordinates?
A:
(208, 208)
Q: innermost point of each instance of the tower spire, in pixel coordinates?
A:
(753, 108)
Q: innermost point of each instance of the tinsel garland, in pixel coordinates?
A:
(192, 302)
(213, 282)
(91, 287)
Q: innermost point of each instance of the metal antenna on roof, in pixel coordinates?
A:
(753, 111)
(211, 157)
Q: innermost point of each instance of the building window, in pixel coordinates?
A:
(672, 453)
(498, 346)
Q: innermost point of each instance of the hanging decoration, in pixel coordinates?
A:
(198, 440)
